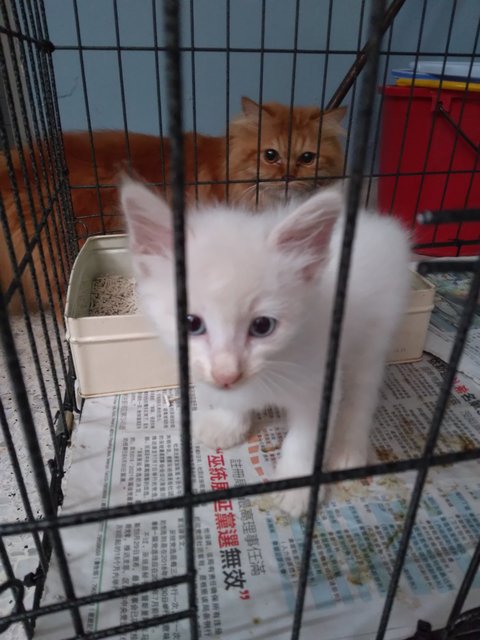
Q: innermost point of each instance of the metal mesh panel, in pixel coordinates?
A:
(42, 236)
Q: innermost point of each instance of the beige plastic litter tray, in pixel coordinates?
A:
(111, 354)
(412, 334)
(116, 354)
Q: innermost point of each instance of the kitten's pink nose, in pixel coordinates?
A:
(225, 369)
(226, 379)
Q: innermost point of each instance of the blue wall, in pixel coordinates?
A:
(136, 28)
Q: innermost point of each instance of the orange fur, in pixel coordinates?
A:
(96, 209)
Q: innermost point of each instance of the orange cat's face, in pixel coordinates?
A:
(288, 151)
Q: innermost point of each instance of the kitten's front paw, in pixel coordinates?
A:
(295, 501)
(218, 428)
(346, 458)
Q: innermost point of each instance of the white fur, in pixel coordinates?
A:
(282, 263)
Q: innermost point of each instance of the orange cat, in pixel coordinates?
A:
(274, 165)
(96, 209)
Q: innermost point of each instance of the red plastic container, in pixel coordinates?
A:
(404, 150)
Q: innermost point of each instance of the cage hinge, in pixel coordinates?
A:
(47, 45)
(57, 476)
(31, 579)
(69, 421)
(466, 625)
(64, 426)
(424, 632)
(16, 586)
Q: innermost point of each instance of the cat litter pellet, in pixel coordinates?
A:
(113, 296)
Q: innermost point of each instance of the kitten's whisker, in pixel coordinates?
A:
(287, 383)
(281, 382)
(272, 387)
(266, 377)
(284, 386)
(287, 370)
(288, 363)
(264, 385)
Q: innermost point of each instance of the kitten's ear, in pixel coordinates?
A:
(148, 219)
(307, 231)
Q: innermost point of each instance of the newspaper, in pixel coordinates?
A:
(451, 292)
(127, 450)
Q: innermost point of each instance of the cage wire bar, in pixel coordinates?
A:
(29, 31)
(174, 83)
(97, 184)
(410, 101)
(367, 95)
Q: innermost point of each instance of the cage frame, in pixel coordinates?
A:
(37, 50)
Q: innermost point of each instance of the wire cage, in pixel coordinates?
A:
(46, 233)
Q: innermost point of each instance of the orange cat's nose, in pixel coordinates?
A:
(289, 177)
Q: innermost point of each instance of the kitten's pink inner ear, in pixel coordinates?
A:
(148, 239)
(312, 241)
(307, 232)
(316, 237)
(148, 230)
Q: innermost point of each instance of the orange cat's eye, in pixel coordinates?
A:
(271, 155)
(307, 158)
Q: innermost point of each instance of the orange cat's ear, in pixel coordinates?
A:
(333, 115)
(315, 114)
(249, 107)
(336, 114)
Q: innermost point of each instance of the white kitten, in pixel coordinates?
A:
(260, 294)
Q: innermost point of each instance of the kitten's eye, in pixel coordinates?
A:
(262, 327)
(196, 326)
(270, 155)
(307, 158)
